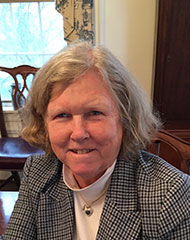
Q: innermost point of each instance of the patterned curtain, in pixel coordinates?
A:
(78, 19)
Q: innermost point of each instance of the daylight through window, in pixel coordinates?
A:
(30, 33)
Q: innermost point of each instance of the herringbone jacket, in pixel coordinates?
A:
(147, 199)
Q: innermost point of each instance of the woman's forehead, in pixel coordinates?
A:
(61, 85)
(89, 87)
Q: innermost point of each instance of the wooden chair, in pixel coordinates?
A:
(20, 87)
(14, 150)
(173, 149)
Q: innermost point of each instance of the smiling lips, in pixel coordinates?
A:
(81, 151)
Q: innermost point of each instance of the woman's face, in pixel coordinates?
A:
(84, 127)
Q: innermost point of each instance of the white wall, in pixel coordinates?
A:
(127, 28)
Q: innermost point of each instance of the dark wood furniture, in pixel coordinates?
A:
(21, 76)
(172, 71)
(14, 150)
(173, 149)
(7, 202)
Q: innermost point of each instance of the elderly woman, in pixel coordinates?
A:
(94, 180)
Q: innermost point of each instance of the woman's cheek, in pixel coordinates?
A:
(100, 132)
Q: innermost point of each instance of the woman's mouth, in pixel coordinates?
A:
(81, 151)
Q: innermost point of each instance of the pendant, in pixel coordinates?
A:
(88, 210)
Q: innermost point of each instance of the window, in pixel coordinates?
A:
(30, 33)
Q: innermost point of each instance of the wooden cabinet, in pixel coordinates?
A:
(172, 72)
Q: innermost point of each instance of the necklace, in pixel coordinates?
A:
(87, 207)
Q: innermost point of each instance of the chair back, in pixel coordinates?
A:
(14, 151)
(173, 149)
(20, 88)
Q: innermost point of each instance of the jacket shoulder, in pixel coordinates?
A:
(41, 171)
(157, 168)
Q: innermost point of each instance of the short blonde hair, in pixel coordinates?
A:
(138, 121)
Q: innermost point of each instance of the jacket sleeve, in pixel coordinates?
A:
(22, 224)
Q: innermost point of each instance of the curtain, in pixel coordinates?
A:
(78, 18)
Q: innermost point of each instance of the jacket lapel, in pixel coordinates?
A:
(55, 214)
(120, 218)
(116, 224)
(56, 219)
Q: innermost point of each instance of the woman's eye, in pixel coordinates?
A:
(62, 115)
(95, 113)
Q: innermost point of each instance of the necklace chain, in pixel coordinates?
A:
(87, 208)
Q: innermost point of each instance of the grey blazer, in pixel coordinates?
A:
(147, 199)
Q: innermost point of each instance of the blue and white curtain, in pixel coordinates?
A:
(79, 19)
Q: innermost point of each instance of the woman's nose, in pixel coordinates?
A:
(79, 131)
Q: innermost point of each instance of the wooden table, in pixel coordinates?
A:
(7, 202)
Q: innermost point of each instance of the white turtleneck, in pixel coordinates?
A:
(86, 227)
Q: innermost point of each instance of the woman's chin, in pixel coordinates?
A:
(85, 177)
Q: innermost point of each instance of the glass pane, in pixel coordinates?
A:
(6, 82)
(55, 42)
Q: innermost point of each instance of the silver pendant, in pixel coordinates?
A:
(88, 210)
